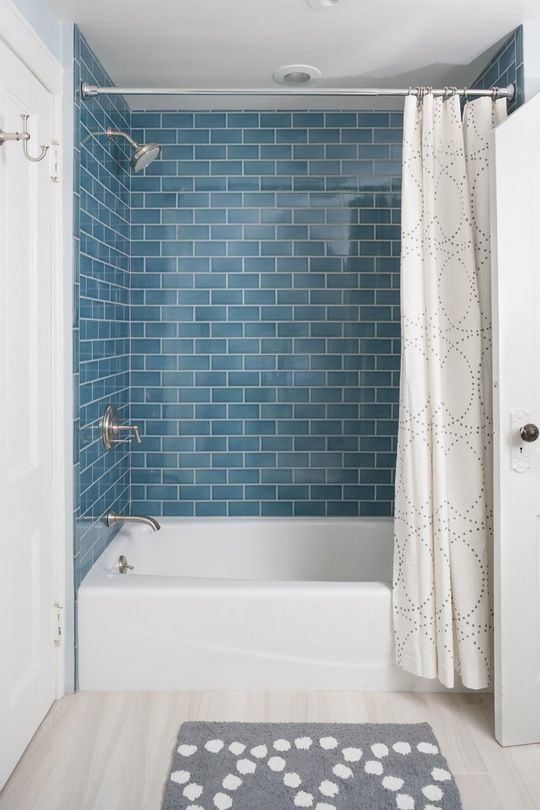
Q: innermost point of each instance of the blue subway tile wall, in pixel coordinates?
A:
(265, 313)
(101, 307)
(241, 298)
(506, 67)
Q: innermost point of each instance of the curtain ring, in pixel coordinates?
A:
(494, 93)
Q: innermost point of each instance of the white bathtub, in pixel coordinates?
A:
(242, 604)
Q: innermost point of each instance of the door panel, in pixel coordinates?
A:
(28, 658)
(516, 331)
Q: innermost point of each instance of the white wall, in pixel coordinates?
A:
(67, 194)
(531, 58)
(44, 22)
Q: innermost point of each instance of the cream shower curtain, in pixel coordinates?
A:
(442, 603)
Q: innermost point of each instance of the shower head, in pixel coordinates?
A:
(143, 153)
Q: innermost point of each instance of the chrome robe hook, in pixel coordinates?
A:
(23, 136)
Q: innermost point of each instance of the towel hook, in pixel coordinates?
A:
(23, 136)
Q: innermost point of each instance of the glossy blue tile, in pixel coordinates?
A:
(505, 67)
(101, 355)
(259, 274)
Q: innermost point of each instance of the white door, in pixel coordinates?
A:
(516, 331)
(27, 587)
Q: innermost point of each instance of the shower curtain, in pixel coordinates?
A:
(443, 512)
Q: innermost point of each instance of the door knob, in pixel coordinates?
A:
(529, 433)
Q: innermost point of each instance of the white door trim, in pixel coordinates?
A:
(19, 35)
(516, 340)
(23, 40)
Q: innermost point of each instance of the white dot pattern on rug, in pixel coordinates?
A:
(245, 766)
(404, 801)
(180, 777)
(441, 775)
(214, 746)
(392, 783)
(303, 799)
(341, 770)
(192, 791)
(432, 792)
(187, 750)
(352, 754)
(276, 763)
(232, 782)
(222, 801)
(237, 766)
(328, 743)
(328, 788)
(237, 748)
(292, 780)
(373, 766)
(379, 750)
(402, 748)
(427, 748)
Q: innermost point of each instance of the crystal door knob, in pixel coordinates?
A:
(529, 433)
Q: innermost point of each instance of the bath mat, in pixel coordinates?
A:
(274, 766)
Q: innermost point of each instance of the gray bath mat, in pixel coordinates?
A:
(274, 766)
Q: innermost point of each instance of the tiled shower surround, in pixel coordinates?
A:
(241, 299)
(101, 309)
(506, 67)
(264, 317)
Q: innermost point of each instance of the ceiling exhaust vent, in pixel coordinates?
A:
(326, 5)
(296, 74)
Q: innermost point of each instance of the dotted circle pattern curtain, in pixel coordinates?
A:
(443, 513)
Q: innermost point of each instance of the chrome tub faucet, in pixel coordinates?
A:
(112, 519)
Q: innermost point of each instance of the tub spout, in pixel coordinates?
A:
(113, 518)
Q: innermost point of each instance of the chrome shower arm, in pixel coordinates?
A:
(115, 133)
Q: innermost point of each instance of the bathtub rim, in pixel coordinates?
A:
(101, 577)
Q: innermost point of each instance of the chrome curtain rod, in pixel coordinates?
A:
(90, 90)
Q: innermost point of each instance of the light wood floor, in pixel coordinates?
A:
(111, 751)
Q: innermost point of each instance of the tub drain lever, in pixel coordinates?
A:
(123, 565)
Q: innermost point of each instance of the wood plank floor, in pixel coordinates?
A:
(111, 751)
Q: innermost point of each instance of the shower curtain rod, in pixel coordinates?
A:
(90, 90)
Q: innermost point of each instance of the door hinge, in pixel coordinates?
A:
(58, 624)
(54, 160)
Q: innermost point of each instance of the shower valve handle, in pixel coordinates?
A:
(529, 433)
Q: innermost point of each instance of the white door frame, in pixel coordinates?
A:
(20, 37)
(515, 173)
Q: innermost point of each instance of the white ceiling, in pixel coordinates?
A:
(240, 43)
